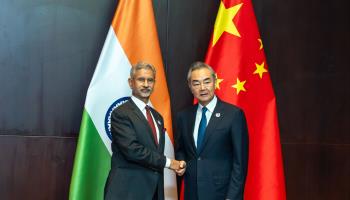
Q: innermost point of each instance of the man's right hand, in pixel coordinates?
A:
(182, 169)
(177, 165)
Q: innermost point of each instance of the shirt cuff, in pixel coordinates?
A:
(168, 163)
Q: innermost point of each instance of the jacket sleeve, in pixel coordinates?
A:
(179, 152)
(130, 147)
(239, 135)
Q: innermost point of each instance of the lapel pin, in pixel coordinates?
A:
(217, 114)
(159, 122)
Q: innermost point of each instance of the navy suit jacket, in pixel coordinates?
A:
(219, 169)
(137, 162)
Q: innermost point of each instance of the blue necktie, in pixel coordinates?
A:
(201, 128)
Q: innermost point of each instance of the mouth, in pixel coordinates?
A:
(145, 90)
(203, 94)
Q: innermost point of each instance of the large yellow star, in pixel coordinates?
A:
(260, 69)
(218, 81)
(239, 86)
(224, 21)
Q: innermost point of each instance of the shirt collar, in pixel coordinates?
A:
(211, 105)
(140, 104)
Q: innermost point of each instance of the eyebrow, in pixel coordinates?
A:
(206, 79)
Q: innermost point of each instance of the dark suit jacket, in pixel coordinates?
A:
(137, 162)
(218, 170)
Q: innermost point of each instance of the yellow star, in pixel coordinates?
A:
(239, 86)
(261, 44)
(218, 81)
(260, 69)
(224, 21)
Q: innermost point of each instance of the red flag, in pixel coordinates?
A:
(236, 54)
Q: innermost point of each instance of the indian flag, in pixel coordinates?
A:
(132, 37)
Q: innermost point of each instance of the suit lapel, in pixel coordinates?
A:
(143, 120)
(215, 119)
(190, 128)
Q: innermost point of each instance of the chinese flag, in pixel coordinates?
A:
(236, 53)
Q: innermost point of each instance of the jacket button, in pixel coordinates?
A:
(199, 158)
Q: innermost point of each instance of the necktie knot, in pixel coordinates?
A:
(204, 110)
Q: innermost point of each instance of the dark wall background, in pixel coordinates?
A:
(49, 50)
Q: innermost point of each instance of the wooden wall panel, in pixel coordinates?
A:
(35, 167)
(161, 10)
(190, 26)
(317, 171)
(306, 44)
(49, 51)
(306, 47)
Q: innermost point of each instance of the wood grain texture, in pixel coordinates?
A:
(49, 51)
(35, 167)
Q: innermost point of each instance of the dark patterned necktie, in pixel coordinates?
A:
(201, 128)
(151, 124)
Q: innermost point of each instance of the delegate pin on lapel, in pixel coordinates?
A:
(217, 114)
(159, 122)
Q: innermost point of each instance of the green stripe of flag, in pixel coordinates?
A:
(91, 165)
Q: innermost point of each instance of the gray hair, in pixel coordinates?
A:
(142, 65)
(200, 65)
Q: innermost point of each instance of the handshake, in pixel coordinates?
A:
(178, 166)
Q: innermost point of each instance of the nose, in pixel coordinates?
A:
(202, 86)
(145, 83)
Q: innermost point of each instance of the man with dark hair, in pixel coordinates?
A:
(212, 138)
(138, 141)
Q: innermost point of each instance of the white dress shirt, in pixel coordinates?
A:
(142, 106)
(211, 106)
